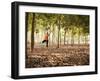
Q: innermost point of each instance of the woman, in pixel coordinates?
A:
(46, 39)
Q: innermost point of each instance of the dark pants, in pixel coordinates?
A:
(46, 42)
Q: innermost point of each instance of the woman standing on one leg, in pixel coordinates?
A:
(46, 39)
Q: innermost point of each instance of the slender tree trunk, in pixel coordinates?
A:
(58, 31)
(85, 39)
(60, 37)
(53, 34)
(64, 37)
(32, 32)
(49, 41)
(68, 38)
(72, 39)
(52, 37)
(26, 31)
(79, 37)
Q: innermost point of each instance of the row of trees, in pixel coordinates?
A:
(59, 26)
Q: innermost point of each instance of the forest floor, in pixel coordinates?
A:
(65, 55)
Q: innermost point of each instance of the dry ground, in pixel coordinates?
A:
(66, 55)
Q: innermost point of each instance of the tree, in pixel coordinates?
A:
(26, 21)
(32, 31)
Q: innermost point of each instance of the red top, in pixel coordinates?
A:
(46, 37)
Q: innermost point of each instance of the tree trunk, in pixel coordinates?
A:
(64, 37)
(26, 24)
(85, 39)
(58, 31)
(72, 38)
(68, 38)
(32, 32)
(60, 37)
(53, 34)
(49, 41)
(79, 37)
(52, 37)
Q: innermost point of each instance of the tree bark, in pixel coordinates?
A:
(60, 37)
(85, 39)
(26, 30)
(64, 37)
(58, 30)
(72, 38)
(79, 37)
(32, 31)
(53, 34)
